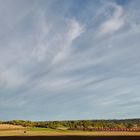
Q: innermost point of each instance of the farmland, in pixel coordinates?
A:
(12, 130)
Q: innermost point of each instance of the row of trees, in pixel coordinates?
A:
(79, 124)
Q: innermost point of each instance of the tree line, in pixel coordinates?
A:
(129, 123)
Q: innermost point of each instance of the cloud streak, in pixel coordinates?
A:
(113, 23)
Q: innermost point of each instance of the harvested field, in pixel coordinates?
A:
(10, 127)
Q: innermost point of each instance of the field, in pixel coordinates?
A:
(12, 130)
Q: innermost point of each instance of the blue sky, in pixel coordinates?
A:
(69, 59)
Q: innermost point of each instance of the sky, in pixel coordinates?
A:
(69, 59)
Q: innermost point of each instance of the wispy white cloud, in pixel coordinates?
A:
(113, 23)
(10, 78)
(74, 31)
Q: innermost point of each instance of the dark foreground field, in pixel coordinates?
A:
(70, 138)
